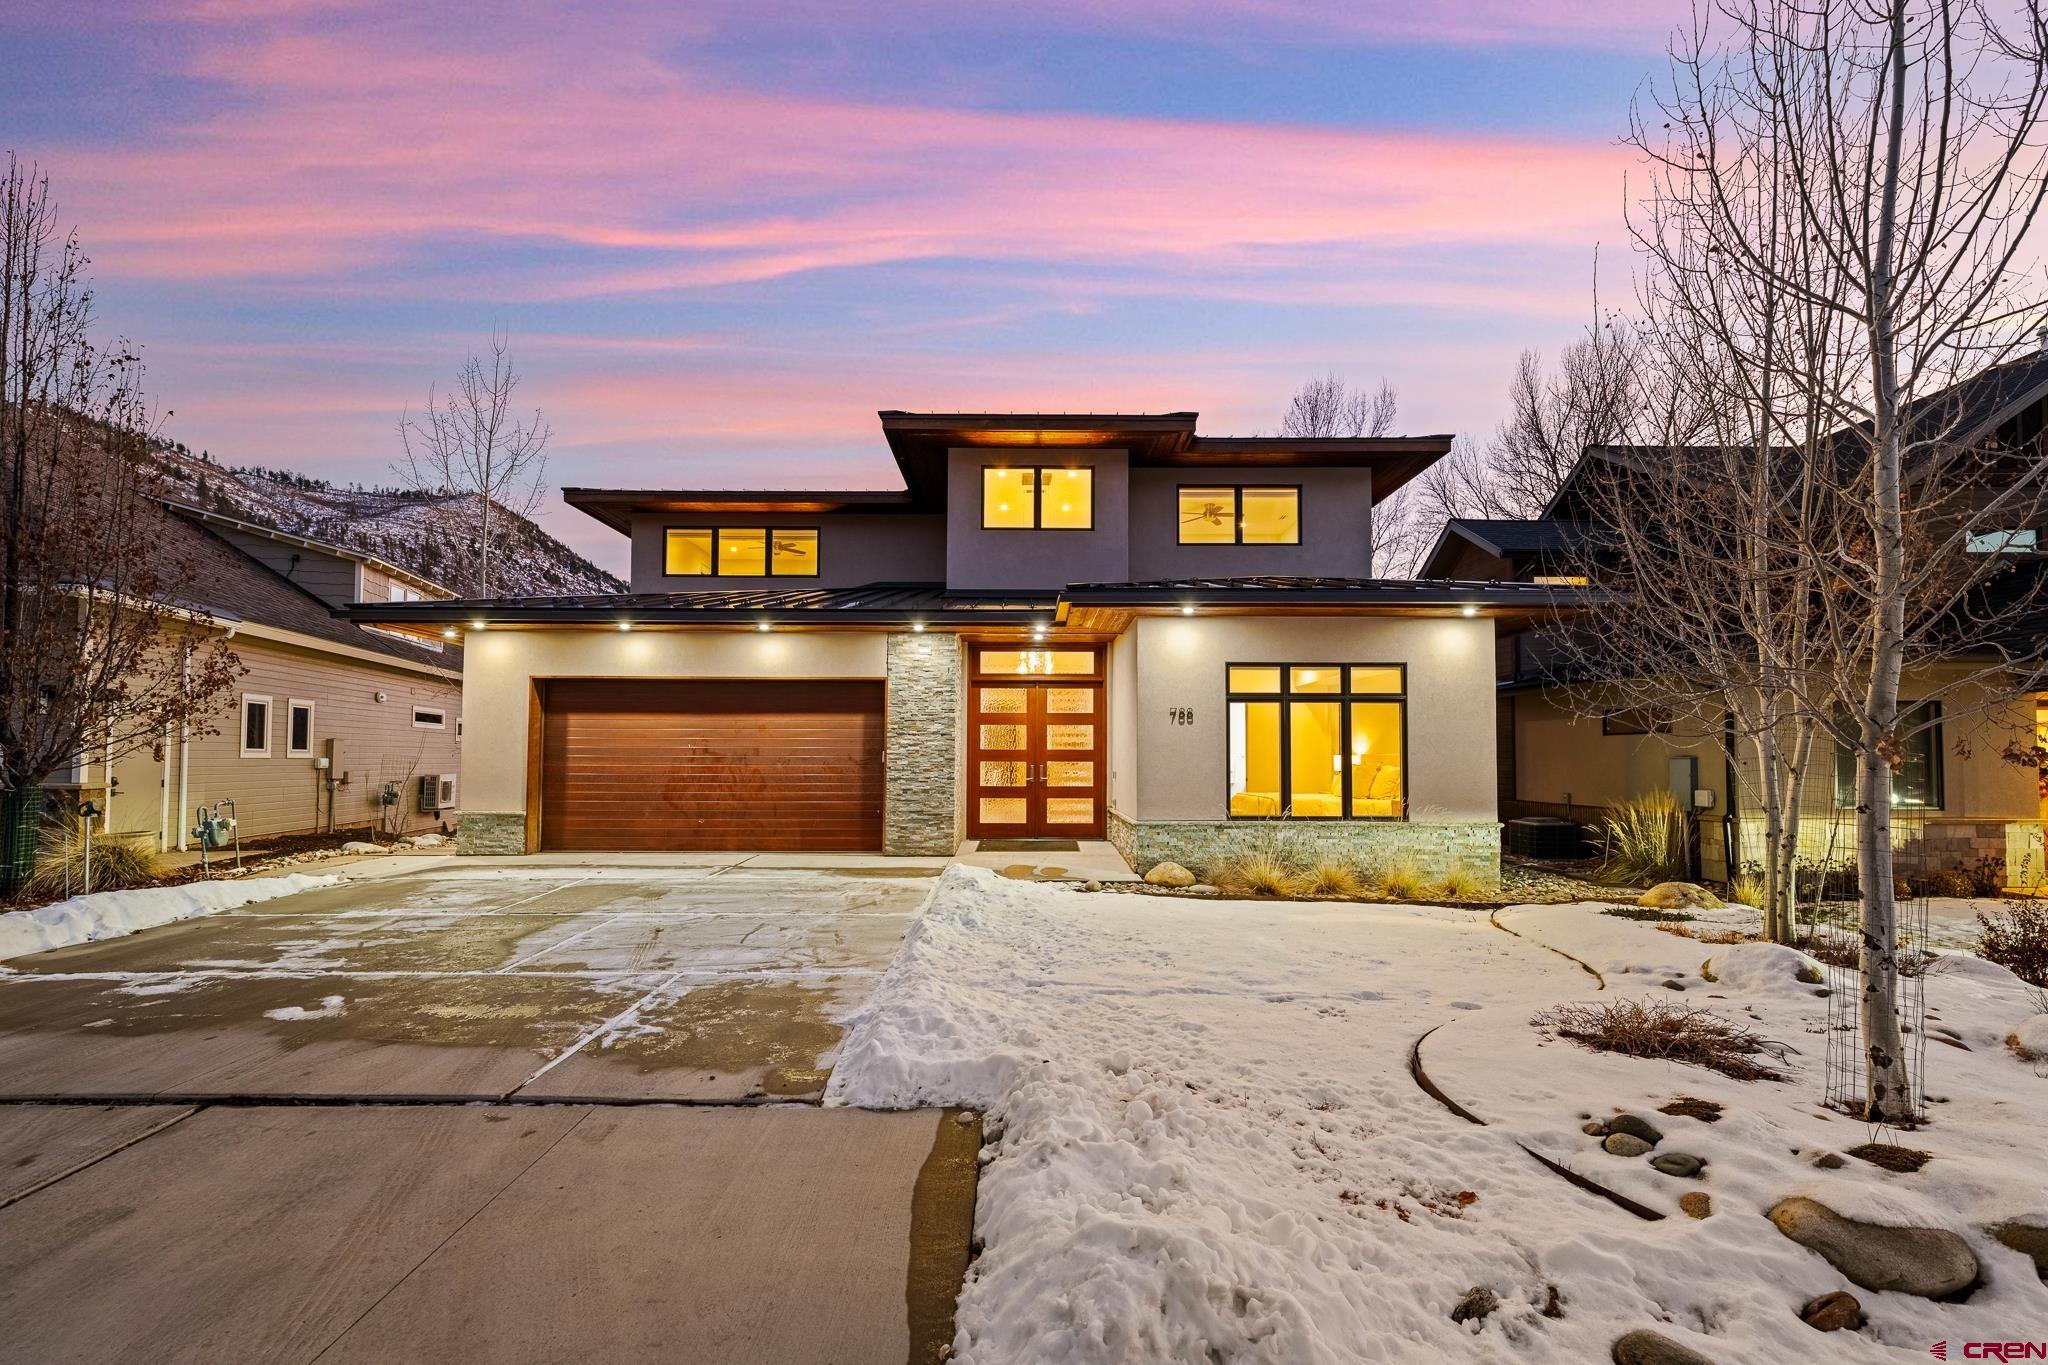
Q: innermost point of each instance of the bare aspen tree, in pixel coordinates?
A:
(469, 443)
(1842, 190)
(1589, 398)
(1331, 407)
(97, 656)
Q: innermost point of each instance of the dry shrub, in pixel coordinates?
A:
(1692, 1107)
(1644, 840)
(117, 862)
(2016, 939)
(1716, 936)
(1258, 873)
(1462, 883)
(1646, 915)
(1666, 1032)
(1891, 1157)
(1747, 889)
(1948, 883)
(1403, 881)
(2022, 1051)
(1332, 877)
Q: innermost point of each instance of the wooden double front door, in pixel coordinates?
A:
(1036, 757)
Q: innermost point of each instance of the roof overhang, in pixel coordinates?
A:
(616, 507)
(920, 440)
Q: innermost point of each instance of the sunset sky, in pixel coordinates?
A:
(723, 234)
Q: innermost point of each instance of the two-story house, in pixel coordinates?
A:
(1098, 626)
(332, 724)
(1960, 800)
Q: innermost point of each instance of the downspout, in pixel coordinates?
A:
(1731, 826)
(163, 790)
(184, 740)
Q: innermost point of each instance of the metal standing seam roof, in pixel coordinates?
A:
(886, 602)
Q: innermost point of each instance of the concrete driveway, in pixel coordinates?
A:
(477, 1113)
(715, 982)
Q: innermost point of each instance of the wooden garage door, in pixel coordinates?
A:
(711, 765)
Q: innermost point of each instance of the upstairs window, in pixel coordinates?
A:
(1036, 498)
(2020, 541)
(298, 740)
(1240, 516)
(740, 552)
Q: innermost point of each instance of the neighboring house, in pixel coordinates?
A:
(329, 714)
(1958, 799)
(1062, 626)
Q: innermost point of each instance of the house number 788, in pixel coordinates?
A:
(1180, 715)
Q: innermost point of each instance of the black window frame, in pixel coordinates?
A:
(1237, 492)
(768, 534)
(1037, 500)
(1344, 696)
(1937, 768)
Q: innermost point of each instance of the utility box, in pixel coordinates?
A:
(1684, 783)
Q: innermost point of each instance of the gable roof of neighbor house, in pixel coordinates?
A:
(228, 585)
(239, 526)
(1503, 539)
(920, 442)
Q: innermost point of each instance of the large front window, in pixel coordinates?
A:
(1318, 741)
(740, 552)
(1916, 781)
(1035, 498)
(1240, 516)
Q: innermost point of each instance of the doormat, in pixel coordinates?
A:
(1027, 846)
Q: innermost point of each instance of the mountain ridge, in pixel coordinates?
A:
(418, 532)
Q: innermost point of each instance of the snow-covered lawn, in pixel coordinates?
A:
(1206, 1143)
(110, 914)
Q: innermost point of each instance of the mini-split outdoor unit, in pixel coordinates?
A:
(437, 791)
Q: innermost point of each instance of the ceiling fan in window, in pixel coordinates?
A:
(789, 547)
(1212, 514)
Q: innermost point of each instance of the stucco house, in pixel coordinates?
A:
(332, 722)
(1958, 799)
(1075, 626)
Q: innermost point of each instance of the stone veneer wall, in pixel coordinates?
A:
(1200, 845)
(481, 831)
(920, 813)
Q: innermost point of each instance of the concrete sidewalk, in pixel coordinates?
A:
(502, 1234)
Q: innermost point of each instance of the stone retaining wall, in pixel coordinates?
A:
(1200, 845)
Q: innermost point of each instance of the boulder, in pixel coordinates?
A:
(359, 846)
(1625, 1144)
(2029, 1239)
(1680, 1164)
(1696, 1204)
(1170, 874)
(1649, 1348)
(427, 840)
(1930, 1262)
(1836, 1312)
(1635, 1126)
(1594, 1129)
(1828, 1161)
(1679, 896)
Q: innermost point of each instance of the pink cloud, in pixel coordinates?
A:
(345, 154)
